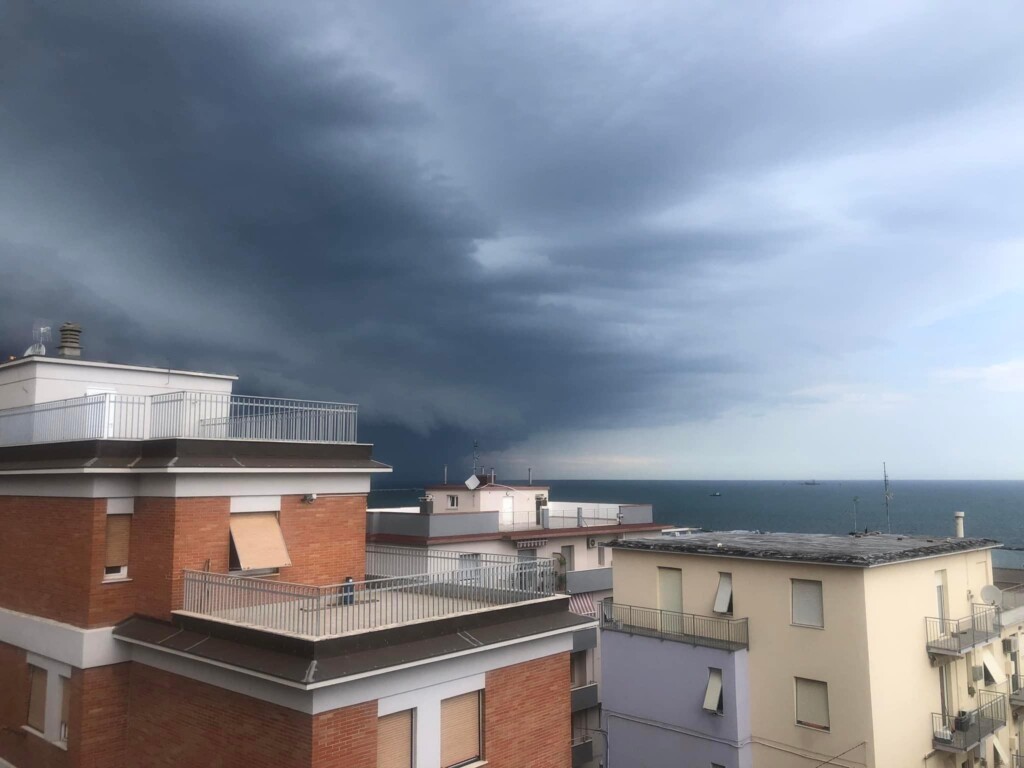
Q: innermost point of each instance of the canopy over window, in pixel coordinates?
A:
(258, 541)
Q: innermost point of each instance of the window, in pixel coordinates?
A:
(569, 554)
(453, 501)
(65, 708)
(578, 669)
(807, 605)
(119, 529)
(812, 703)
(36, 698)
(460, 730)
(600, 554)
(713, 698)
(257, 542)
(723, 600)
(394, 740)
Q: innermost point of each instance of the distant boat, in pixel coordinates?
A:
(716, 493)
(811, 482)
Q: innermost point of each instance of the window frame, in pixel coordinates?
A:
(56, 698)
(119, 573)
(412, 732)
(827, 728)
(793, 603)
(480, 756)
(453, 501)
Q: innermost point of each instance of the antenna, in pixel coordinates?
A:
(888, 498)
(476, 455)
(855, 500)
(40, 334)
(446, 474)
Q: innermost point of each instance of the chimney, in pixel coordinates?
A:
(529, 472)
(958, 520)
(70, 340)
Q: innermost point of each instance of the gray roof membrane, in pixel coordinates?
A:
(863, 550)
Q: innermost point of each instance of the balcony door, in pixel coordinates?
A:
(670, 598)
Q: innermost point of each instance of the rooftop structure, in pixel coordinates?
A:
(184, 572)
(859, 550)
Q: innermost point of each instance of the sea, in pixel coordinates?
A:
(994, 509)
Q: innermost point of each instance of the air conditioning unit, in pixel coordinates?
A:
(977, 674)
(1011, 644)
(591, 543)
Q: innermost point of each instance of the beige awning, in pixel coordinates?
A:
(713, 693)
(258, 541)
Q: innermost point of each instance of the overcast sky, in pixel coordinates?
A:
(606, 239)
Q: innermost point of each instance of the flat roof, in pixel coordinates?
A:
(120, 366)
(484, 486)
(862, 550)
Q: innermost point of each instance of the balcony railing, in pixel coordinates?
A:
(341, 609)
(706, 631)
(1013, 597)
(1016, 690)
(207, 415)
(582, 750)
(955, 636)
(966, 729)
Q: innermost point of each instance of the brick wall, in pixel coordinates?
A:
(326, 539)
(18, 746)
(98, 716)
(526, 715)
(45, 555)
(175, 721)
(346, 738)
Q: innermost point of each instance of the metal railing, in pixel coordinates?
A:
(239, 417)
(1016, 685)
(965, 729)
(211, 415)
(707, 631)
(1013, 597)
(954, 636)
(339, 609)
(104, 416)
(384, 561)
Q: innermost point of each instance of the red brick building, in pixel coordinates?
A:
(184, 581)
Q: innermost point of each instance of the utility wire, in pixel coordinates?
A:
(836, 757)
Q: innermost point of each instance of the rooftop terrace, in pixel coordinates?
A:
(860, 550)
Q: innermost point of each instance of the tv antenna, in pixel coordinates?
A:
(476, 455)
(40, 334)
(855, 500)
(888, 498)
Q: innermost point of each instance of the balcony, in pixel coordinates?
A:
(194, 415)
(966, 729)
(956, 636)
(450, 584)
(706, 631)
(585, 697)
(589, 580)
(582, 750)
(1016, 690)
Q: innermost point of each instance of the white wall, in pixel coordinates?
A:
(47, 379)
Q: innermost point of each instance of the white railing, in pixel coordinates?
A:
(207, 415)
(359, 606)
(94, 417)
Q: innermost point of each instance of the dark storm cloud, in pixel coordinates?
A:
(473, 222)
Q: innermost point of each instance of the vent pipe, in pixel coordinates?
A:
(70, 340)
(958, 521)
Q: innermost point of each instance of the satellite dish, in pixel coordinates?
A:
(473, 483)
(992, 594)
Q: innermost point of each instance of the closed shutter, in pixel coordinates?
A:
(258, 541)
(460, 729)
(807, 603)
(670, 589)
(37, 698)
(812, 703)
(394, 740)
(119, 529)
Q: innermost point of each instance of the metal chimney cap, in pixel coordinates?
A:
(70, 340)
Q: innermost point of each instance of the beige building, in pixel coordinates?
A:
(790, 650)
